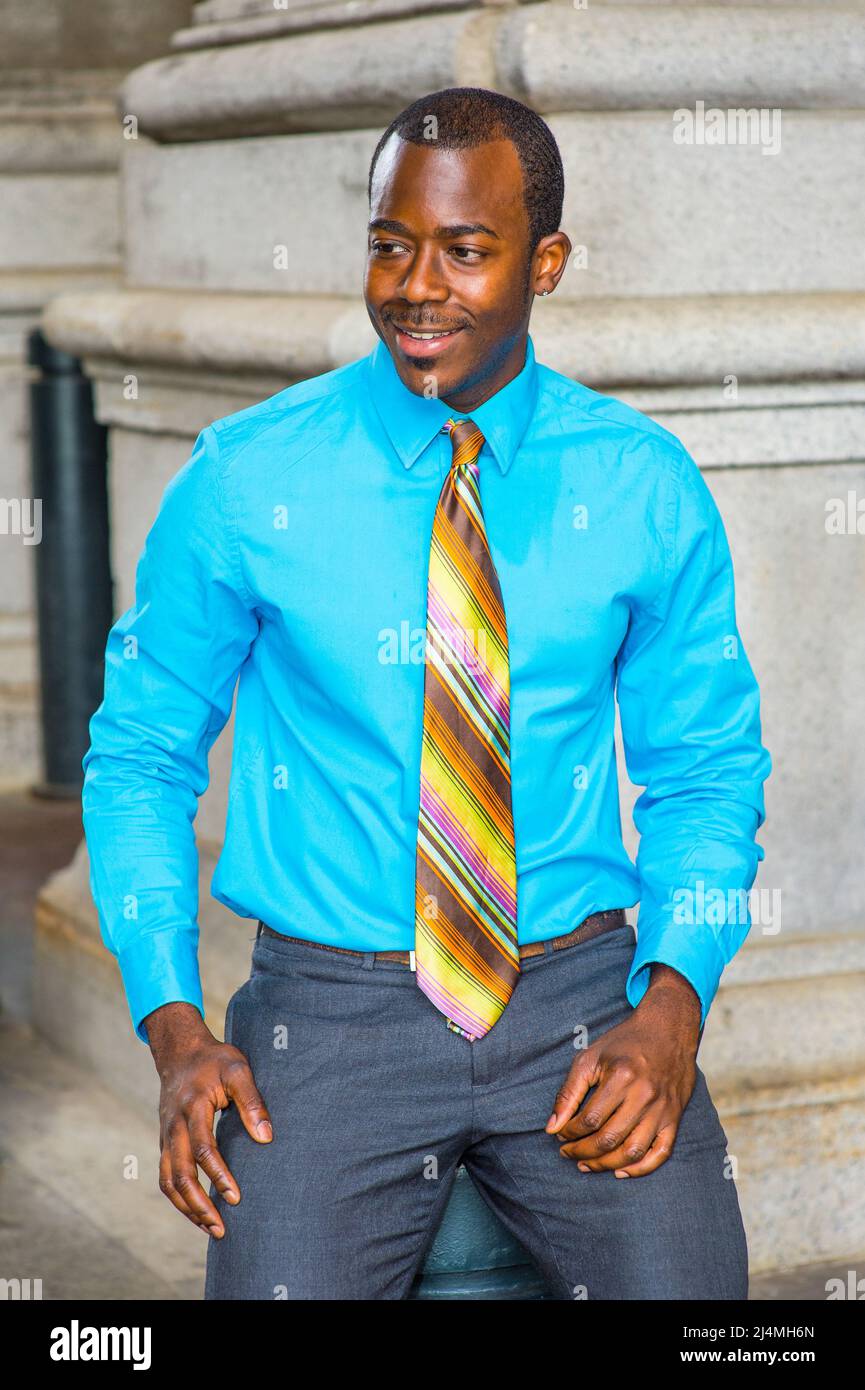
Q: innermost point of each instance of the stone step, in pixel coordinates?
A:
(82, 1211)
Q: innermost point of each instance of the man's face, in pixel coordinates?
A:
(448, 254)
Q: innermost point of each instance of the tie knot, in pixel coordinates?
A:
(466, 441)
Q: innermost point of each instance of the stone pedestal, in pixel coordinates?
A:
(720, 288)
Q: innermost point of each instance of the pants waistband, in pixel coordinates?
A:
(594, 925)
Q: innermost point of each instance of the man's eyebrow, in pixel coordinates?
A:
(387, 224)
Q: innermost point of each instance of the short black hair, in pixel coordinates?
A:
(466, 117)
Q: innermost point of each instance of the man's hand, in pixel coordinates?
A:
(199, 1076)
(644, 1071)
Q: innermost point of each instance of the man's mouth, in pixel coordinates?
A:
(426, 342)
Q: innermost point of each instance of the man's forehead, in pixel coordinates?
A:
(482, 177)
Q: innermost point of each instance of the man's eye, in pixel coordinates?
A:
(385, 247)
(468, 254)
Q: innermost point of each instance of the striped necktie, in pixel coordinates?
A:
(466, 953)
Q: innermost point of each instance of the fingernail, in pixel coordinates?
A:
(622, 1175)
(584, 1168)
(553, 1120)
(264, 1130)
(231, 1196)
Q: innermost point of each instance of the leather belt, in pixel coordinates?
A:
(594, 925)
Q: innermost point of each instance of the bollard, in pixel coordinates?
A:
(473, 1256)
(73, 574)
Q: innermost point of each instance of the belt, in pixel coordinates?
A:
(594, 925)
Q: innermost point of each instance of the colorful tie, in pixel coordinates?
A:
(466, 888)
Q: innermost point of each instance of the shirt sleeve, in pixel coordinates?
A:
(690, 713)
(171, 664)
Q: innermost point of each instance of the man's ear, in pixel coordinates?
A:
(551, 257)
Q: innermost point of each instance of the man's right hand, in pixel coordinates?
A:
(199, 1076)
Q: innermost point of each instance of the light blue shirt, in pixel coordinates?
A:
(289, 558)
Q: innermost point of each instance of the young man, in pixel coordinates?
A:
(433, 571)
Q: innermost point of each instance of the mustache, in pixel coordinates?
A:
(423, 326)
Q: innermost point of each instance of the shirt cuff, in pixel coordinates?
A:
(159, 968)
(692, 950)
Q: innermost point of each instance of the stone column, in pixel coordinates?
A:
(60, 145)
(718, 286)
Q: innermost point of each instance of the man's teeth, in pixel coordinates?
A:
(425, 336)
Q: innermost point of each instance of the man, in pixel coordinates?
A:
(433, 570)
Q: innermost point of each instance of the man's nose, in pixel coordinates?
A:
(423, 279)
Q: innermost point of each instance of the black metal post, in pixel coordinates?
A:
(73, 573)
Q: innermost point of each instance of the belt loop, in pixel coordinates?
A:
(258, 933)
(368, 961)
(548, 947)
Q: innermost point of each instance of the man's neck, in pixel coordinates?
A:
(474, 393)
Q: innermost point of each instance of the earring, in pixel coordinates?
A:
(544, 292)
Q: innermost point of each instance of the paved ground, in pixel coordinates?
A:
(79, 1204)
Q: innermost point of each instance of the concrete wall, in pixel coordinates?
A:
(720, 288)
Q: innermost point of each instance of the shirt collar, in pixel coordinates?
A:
(411, 421)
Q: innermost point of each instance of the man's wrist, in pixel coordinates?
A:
(675, 995)
(174, 1026)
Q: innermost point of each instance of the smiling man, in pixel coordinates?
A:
(431, 574)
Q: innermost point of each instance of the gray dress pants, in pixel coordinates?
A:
(375, 1102)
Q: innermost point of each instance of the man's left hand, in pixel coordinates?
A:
(644, 1071)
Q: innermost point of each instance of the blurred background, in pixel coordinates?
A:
(182, 233)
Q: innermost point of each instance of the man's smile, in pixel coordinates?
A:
(426, 342)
